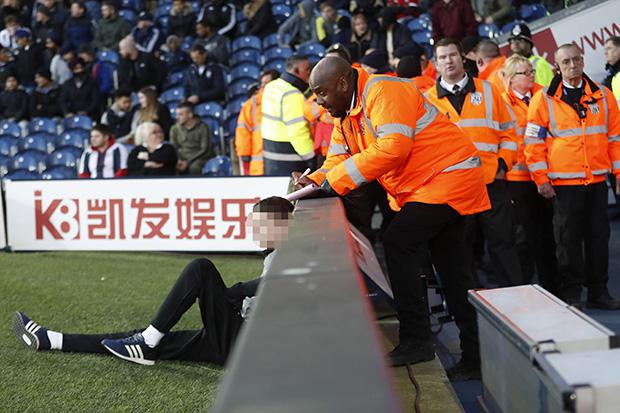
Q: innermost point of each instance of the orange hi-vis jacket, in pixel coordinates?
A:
(423, 83)
(248, 140)
(492, 73)
(565, 149)
(430, 71)
(396, 136)
(487, 121)
(519, 171)
(321, 124)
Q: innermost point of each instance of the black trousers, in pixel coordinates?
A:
(581, 230)
(359, 205)
(498, 226)
(534, 235)
(441, 228)
(200, 281)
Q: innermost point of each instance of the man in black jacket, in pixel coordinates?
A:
(139, 69)
(118, 116)
(13, 100)
(80, 94)
(392, 35)
(204, 81)
(216, 45)
(222, 309)
(45, 99)
(28, 56)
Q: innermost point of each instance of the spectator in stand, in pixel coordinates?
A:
(150, 110)
(7, 36)
(261, 22)
(148, 38)
(223, 13)
(330, 26)
(118, 117)
(299, 27)
(138, 69)
(59, 63)
(192, 139)
(175, 58)
(182, 19)
(612, 56)
(412, 49)
(204, 81)
(104, 158)
(111, 28)
(7, 65)
(453, 18)
(102, 72)
(28, 57)
(392, 35)
(361, 36)
(80, 94)
(374, 64)
(13, 100)
(490, 63)
(370, 8)
(79, 27)
(42, 26)
(57, 13)
(15, 8)
(492, 11)
(45, 99)
(216, 45)
(521, 43)
(154, 157)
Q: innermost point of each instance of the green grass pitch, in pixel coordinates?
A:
(84, 292)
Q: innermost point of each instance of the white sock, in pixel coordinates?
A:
(152, 336)
(55, 340)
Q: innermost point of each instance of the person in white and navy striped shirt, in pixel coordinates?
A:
(104, 158)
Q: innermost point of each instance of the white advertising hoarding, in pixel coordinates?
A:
(185, 214)
(2, 233)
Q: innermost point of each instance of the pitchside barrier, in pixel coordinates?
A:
(311, 343)
(173, 214)
(2, 218)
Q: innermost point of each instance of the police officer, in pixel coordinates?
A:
(521, 43)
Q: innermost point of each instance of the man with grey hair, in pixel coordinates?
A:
(139, 69)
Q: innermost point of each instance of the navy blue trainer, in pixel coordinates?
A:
(132, 349)
(29, 333)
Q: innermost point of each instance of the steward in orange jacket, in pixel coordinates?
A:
(479, 110)
(386, 130)
(248, 140)
(321, 125)
(572, 142)
(490, 63)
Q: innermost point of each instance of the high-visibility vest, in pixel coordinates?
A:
(248, 140)
(615, 87)
(430, 71)
(423, 83)
(519, 171)
(321, 124)
(566, 150)
(492, 73)
(396, 136)
(285, 131)
(544, 70)
(486, 120)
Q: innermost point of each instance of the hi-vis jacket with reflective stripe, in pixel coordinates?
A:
(544, 70)
(486, 120)
(395, 136)
(519, 171)
(286, 136)
(492, 73)
(615, 87)
(566, 150)
(248, 140)
(321, 124)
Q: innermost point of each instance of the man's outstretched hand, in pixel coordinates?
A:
(300, 181)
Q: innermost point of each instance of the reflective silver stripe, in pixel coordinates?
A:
(509, 145)
(284, 95)
(538, 166)
(488, 100)
(615, 164)
(553, 125)
(243, 125)
(613, 138)
(391, 128)
(315, 110)
(290, 92)
(336, 149)
(589, 130)
(469, 163)
(520, 131)
(324, 170)
(605, 111)
(533, 141)
(486, 147)
(254, 105)
(600, 172)
(294, 121)
(368, 123)
(519, 167)
(427, 118)
(257, 157)
(291, 157)
(307, 156)
(481, 123)
(353, 172)
(506, 125)
(272, 117)
(566, 175)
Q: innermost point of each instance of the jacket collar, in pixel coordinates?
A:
(111, 141)
(470, 87)
(295, 81)
(512, 98)
(495, 64)
(590, 89)
(362, 79)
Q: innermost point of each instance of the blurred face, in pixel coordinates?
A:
(12, 27)
(78, 69)
(268, 229)
(41, 17)
(174, 44)
(450, 63)
(201, 30)
(523, 80)
(21, 41)
(5, 56)
(143, 24)
(178, 6)
(48, 3)
(570, 62)
(520, 46)
(107, 11)
(198, 58)
(360, 26)
(98, 140)
(264, 80)
(142, 99)
(154, 138)
(76, 10)
(10, 83)
(328, 13)
(124, 103)
(333, 96)
(612, 53)
(41, 81)
(302, 70)
(183, 115)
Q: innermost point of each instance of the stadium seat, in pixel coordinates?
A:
(270, 41)
(9, 145)
(135, 5)
(277, 64)
(64, 157)
(187, 44)
(214, 128)
(172, 107)
(218, 166)
(231, 126)
(22, 175)
(245, 55)
(246, 42)
(174, 94)
(129, 15)
(8, 127)
(162, 10)
(175, 79)
(31, 159)
(418, 25)
(311, 49)
(277, 53)
(59, 172)
(281, 12)
(490, 31)
(42, 141)
(196, 6)
(77, 122)
(48, 125)
(239, 88)
(531, 12)
(108, 56)
(77, 138)
(234, 107)
(94, 9)
(6, 164)
(245, 71)
(162, 23)
(424, 37)
(210, 109)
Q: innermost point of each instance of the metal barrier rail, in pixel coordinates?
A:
(311, 343)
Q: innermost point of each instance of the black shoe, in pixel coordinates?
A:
(463, 371)
(603, 301)
(411, 353)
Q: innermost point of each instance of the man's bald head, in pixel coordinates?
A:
(487, 49)
(567, 47)
(333, 82)
(329, 68)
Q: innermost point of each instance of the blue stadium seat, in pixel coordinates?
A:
(245, 70)
(247, 42)
(172, 107)
(418, 25)
(31, 160)
(48, 125)
(77, 138)
(162, 23)
(245, 55)
(196, 6)
(108, 56)
(531, 12)
(162, 10)
(93, 8)
(174, 94)
(42, 141)
(129, 15)
(210, 109)
(175, 79)
(231, 125)
(214, 128)
(270, 41)
(59, 172)
(239, 88)
(234, 107)
(218, 166)
(187, 44)
(64, 157)
(277, 64)
(312, 49)
(6, 164)
(281, 12)
(424, 37)
(489, 31)
(22, 175)
(9, 145)
(77, 122)
(8, 127)
(135, 5)
(277, 53)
